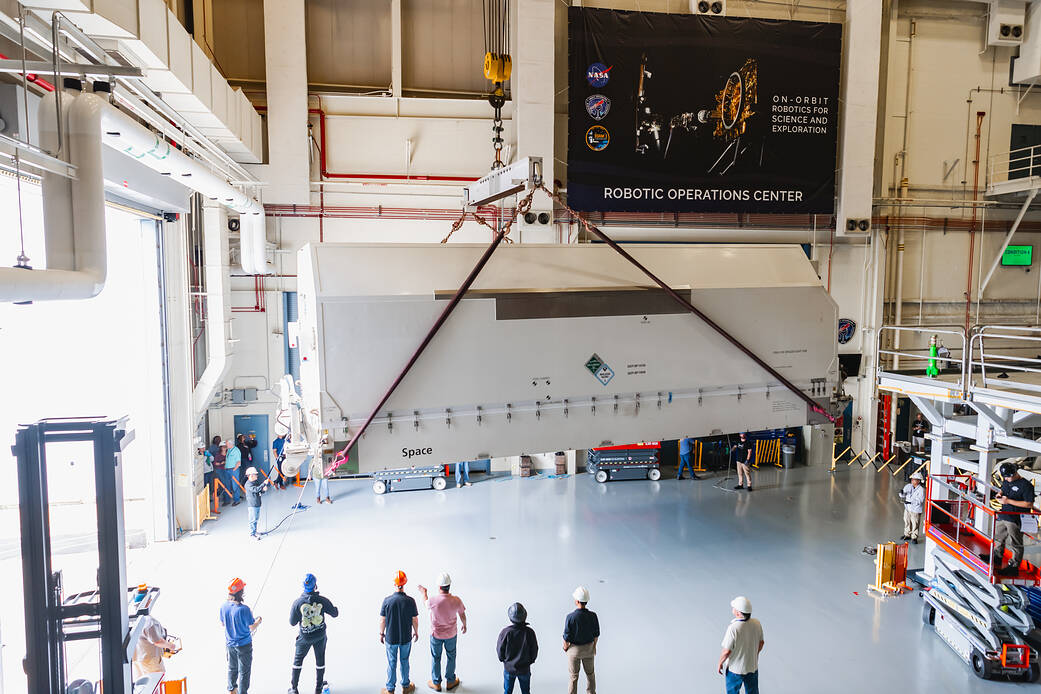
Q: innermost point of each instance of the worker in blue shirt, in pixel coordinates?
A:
(686, 458)
(239, 625)
(275, 473)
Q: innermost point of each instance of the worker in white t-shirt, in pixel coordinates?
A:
(741, 646)
(148, 655)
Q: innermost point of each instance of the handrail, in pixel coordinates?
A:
(973, 493)
(1023, 162)
(1001, 361)
(921, 356)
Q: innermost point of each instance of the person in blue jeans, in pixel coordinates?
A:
(239, 626)
(230, 478)
(686, 458)
(254, 489)
(446, 613)
(517, 649)
(462, 474)
(399, 627)
(742, 644)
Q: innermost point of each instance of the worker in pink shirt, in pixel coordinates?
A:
(444, 608)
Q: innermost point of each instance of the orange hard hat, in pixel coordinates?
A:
(236, 585)
(400, 579)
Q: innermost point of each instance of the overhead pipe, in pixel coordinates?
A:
(134, 140)
(980, 115)
(218, 288)
(73, 211)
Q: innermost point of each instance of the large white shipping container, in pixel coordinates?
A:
(556, 347)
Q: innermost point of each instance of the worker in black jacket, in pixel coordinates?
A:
(246, 444)
(517, 649)
(310, 611)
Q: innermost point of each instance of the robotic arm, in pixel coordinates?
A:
(304, 440)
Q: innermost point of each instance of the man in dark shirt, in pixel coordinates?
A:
(581, 631)
(254, 488)
(310, 611)
(918, 433)
(1017, 497)
(246, 444)
(743, 461)
(517, 649)
(399, 627)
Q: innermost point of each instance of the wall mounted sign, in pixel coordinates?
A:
(704, 113)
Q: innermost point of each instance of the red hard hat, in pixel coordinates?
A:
(400, 579)
(236, 585)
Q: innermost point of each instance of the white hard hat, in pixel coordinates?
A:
(444, 580)
(917, 476)
(741, 604)
(251, 471)
(581, 594)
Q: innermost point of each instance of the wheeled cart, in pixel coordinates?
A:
(633, 461)
(404, 479)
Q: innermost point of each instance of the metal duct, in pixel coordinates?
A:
(74, 211)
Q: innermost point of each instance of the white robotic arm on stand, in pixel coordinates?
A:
(304, 440)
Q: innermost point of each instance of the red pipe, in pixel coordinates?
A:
(325, 173)
(34, 78)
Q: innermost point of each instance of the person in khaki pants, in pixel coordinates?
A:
(581, 631)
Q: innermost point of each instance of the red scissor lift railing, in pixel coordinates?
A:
(950, 522)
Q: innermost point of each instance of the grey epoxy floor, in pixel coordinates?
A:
(662, 561)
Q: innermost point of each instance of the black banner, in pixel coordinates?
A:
(689, 113)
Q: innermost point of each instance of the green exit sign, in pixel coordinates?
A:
(1017, 255)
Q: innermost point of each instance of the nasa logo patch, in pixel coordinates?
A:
(597, 106)
(597, 138)
(847, 327)
(597, 75)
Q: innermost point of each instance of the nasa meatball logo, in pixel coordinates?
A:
(597, 106)
(597, 75)
(597, 138)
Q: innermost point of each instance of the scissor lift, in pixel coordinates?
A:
(632, 461)
(981, 615)
(978, 397)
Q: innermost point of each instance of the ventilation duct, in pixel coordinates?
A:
(74, 210)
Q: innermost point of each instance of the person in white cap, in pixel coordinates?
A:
(581, 632)
(742, 644)
(445, 609)
(913, 496)
(254, 488)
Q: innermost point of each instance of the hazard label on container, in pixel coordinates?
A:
(604, 374)
(594, 363)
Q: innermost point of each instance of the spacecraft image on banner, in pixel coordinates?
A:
(725, 114)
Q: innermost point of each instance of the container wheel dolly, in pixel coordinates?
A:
(410, 478)
(631, 461)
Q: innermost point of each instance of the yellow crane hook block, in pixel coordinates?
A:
(497, 66)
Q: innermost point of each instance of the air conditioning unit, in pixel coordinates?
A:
(1005, 23)
(711, 7)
